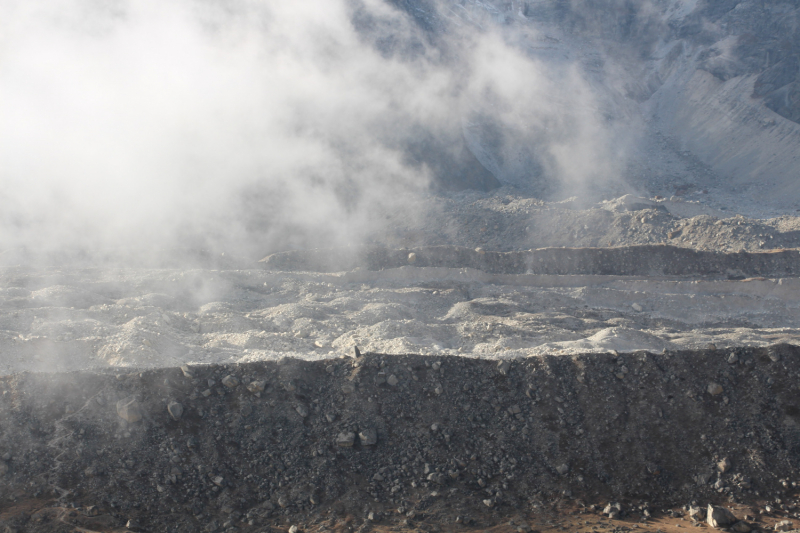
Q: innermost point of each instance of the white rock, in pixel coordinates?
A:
(719, 517)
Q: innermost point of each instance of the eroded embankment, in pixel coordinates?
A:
(445, 437)
(648, 260)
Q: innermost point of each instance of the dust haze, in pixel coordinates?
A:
(249, 127)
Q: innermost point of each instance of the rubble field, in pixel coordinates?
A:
(406, 442)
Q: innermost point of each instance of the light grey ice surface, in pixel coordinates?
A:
(60, 320)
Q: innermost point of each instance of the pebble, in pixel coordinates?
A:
(368, 437)
(714, 389)
(294, 529)
(412, 258)
(562, 469)
(436, 366)
(230, 381)
(129, 410)
(733, 358)
(302, 410)
(346, 439)
(724, 465)
(784, 525)
(392, 380)
(636, 307)
(187, 372)
(774, 356)
(488, 503)
(175, 410)
(348, 387)
(256, 386)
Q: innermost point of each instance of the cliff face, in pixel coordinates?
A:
(721, 78)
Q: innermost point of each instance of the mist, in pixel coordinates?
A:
(249, 127)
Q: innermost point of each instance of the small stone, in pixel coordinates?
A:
(714, 389)
(256, 386)
(774, 356)
(504, 366)
(412, 258)
(3, 469)
(437, 478)
(302, 410)
(438, 389)
(436, 366)
(133, 524)
(784, 525)
(637, 307)
(488, 503)
(283, 502)
(514, 409)
(392, 380)
(294, 529)
(348, 387)
(368, 437)
(206, 393)
(480, 251)
(562, 469)
(711, 346)
(230, 381)
(218, 481)
(175, 410)
(187, 372)
(346, 439)
(330, 417)
(733, 358)
(719, 517)
(724, 465)
(129, 410)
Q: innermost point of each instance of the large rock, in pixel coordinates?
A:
(720, 517)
